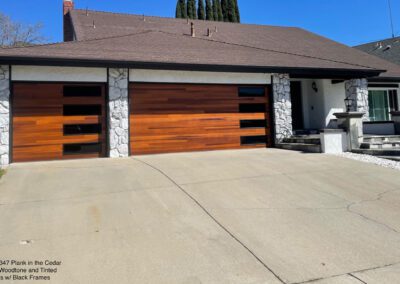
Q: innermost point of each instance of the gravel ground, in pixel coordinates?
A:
(371, 159)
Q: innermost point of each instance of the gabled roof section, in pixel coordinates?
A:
(288, 40)
(138, 41)
(388, 49)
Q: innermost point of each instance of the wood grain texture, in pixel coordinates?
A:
(168, 118)
(38, 122)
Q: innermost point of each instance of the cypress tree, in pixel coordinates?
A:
(201, 14)
(225, 9)
(220, 13)
(215, 9)
(209, 11)
(181, 9)
(231, 10)
(237, 11)
(194, 9)
(178, 13)
(191, 9)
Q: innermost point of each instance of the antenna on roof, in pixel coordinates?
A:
(391, 17)
(94, 25)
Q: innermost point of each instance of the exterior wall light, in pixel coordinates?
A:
(349, 103)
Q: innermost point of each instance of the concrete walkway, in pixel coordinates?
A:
(251, 216)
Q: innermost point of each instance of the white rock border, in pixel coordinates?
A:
(370, 159)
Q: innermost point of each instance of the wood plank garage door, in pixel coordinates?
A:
(182, 117)
(58, 121)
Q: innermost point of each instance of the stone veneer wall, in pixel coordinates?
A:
(4, 115)
(357, 90)
(282, 106)
(118, 115)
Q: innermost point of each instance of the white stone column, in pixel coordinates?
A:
(357, 90)
(4, 115)
(118, 113)
(282, 107)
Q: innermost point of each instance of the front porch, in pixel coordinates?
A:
(315, 127)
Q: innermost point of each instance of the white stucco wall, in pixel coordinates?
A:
(319, 107)
(334, 96)
(169, 76)
(58, 74)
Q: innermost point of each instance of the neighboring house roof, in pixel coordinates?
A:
(388, 49)
(154, 41)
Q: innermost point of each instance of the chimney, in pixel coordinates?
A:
(68, 5)
(192, 30)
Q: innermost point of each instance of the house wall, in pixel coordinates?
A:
(319, 106)
(334, 96)
(168, 76)
(58, 74)
(4, 115)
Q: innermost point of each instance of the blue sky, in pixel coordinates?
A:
(348, 21)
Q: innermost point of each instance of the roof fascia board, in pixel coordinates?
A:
(295, 72)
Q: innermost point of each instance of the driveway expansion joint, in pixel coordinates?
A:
(214, 219)
(362, 281)
(349, 273)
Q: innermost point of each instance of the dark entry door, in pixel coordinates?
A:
(297, 105)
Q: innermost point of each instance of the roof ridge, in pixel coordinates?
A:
(377, 41)
(178, 19)
(276, 51)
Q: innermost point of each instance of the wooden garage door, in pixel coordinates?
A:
(58, 121)
(181, 117)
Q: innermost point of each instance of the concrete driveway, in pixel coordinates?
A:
(250, 216)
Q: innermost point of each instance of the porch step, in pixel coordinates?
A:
(381, 138)
(378, 152)
(393, 158)
(306, 132)
(308, 148)
(303, 140)
(381, 145)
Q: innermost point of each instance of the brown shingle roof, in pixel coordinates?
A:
(133, 38)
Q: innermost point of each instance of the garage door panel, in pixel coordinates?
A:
(185, 143)
(36, 153)
(40, 116)
(176, 118)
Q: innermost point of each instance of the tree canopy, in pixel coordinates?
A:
(213, 10)
(201, 13)
(181, 9)
(16, 34)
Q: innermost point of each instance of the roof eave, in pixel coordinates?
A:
(384, 79)
(295, 72)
